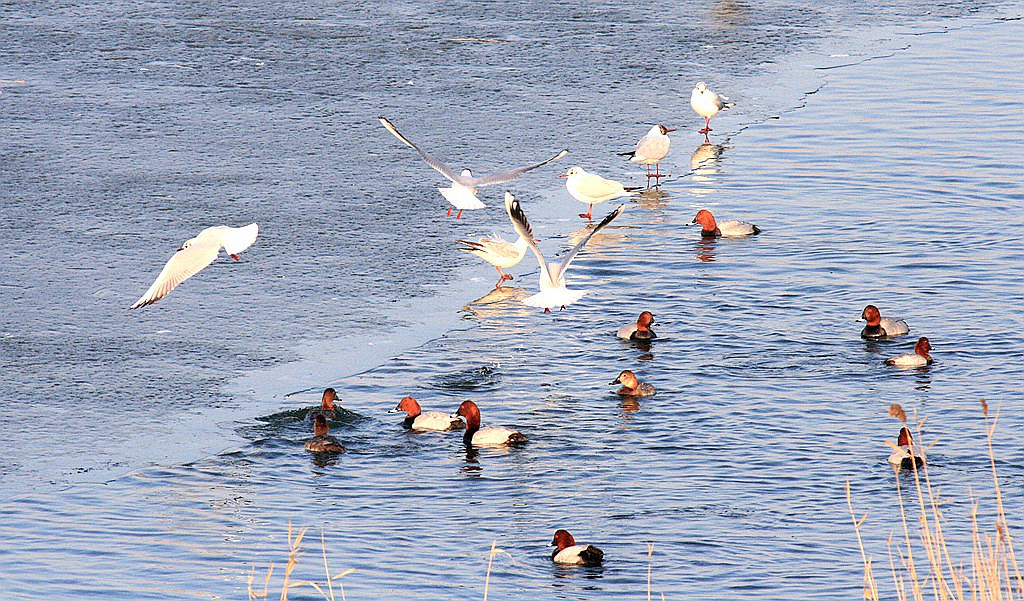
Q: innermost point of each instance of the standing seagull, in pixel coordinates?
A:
(651, 149)
(195, 254)
(462, 193)
(553, 292)
(707, 104)
(498, 252)
(590, 188)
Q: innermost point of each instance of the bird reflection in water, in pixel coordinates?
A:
(728, 14)
(704, 159)
(500, 302)
(588, 572)
(924, 379)
(653, 199)
(322, 460)
(472, 466)
(629, 405)
(705, 249)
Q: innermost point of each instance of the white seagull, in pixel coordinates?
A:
(707, 104)
(462, 193)
(590, 188)
(553, 292)
(651, 149)
(498, 252)
(195, 254)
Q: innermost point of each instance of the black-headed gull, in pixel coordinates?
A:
(553, 292)
(590, 188)
(195, 254)
(498, 252)
(462, 193)
(707, 104)
(651, 149)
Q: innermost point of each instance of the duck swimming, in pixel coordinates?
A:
(322, 442)
(416, 419)
(631, 386)
(905, 453)
(881, 327)
(326, 409)
(919, 358)
(490, 436)
(709, 228)
(641, 330)
(567, 552)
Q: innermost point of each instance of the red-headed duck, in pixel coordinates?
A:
(326, 405)
(707, 104)
(641, 330)
(919, 358)
(709, 228)
(631, 386)
(905, 453)
(416, 419)
(881, 327)
(489, 436)
(322, 442)
(567, 552)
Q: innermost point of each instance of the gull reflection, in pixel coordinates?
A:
(653, 198)
(500, 302)
(609, 237)
(706, 156)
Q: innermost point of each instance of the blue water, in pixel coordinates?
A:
(157, 453)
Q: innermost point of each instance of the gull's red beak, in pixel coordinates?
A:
(564, 175)
(668, 130)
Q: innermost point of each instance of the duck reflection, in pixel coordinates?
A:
(588, 572)
(629, 405)
(705, 249)
(924, 379)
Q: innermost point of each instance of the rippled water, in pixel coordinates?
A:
(895, 181)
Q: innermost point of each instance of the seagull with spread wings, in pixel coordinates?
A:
(553, 292)
(195, 254)
(462, 193)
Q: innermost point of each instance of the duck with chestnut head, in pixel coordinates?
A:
(417, 419)
(881, 327)
(490, 436)
(567, 552)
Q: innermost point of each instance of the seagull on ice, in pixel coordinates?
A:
(462, 193)
(707, 104)
(651, 149)
(498, 252)
(591, 188)
(195, 254)
(553, 292)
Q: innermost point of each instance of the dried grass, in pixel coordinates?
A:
(993, 575)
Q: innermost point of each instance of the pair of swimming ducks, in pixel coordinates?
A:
(882, 328)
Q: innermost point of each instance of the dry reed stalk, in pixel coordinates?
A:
(294, 550)
(870, 587)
